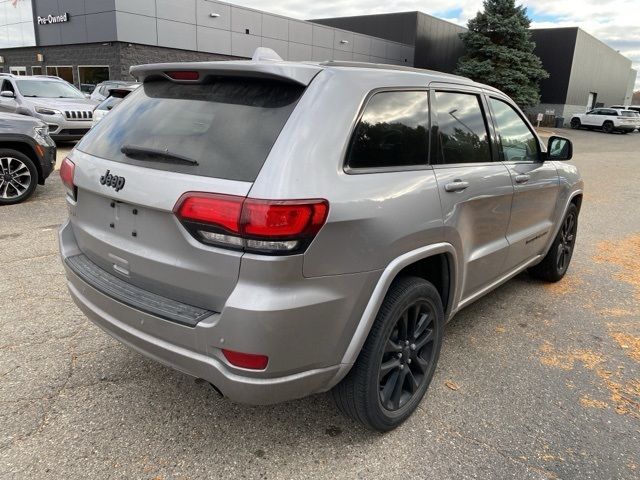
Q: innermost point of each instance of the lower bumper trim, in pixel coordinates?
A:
(133, 296)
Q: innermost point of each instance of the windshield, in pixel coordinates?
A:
(47, 89)
(227, 126)
(629, 113)
(109, 103)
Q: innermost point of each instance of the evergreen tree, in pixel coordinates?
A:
(499, 52)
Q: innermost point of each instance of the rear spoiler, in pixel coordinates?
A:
(298, 73)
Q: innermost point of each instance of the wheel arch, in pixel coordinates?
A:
(420, 262)
(574, 199)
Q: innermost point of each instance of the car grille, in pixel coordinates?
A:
(78, 114)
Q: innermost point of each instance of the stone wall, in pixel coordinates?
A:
(117, 56)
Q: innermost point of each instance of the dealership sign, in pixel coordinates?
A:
(48, 20)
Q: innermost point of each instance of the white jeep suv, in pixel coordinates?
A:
(608, 119)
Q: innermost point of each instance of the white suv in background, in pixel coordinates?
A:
(608, 119)
(635, 108)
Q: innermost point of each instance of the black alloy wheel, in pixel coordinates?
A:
(398, 359)
(408, 356)
(554, 265)
(564, 250)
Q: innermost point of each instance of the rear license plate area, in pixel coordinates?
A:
(124, 218)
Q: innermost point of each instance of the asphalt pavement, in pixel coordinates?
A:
(535, 381)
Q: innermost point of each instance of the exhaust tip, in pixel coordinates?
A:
(217, 390)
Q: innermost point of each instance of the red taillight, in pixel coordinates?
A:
(266, 226)
(246, 360)
(221, 210)
(283, 219)
(183, 75)
(67, 170)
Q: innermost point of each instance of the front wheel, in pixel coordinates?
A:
(555, 264)
(575, 123)
(18, 177)
(398, 360)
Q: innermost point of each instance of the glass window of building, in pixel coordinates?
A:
(92, 75)
(18, 70)
(64, 72)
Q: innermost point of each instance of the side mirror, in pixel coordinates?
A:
(7, 94)
(559, 148)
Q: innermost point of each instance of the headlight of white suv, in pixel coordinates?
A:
(48, 111)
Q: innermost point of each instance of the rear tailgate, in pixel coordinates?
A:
(134, 234)
(165, 139)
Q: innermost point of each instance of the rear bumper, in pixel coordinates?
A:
(305, 340)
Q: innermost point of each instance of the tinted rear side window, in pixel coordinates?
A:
(462, 128)
(228, 125)
(393, 131)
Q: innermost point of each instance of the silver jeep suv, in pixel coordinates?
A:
(64, 108)
(281, 229)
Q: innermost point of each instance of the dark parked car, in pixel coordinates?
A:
(27, 156)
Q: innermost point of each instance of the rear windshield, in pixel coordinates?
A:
(628, 113)
(109, 103)
(227, 126)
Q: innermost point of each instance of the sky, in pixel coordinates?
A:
(615, 22)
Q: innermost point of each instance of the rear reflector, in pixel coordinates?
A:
(183, 75)
(264, 226)
(246, 360)
(67, 171)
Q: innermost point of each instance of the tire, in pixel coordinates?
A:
(607, 127)
(398, 359)
(576, 123)
(555, 264)
(18, 177)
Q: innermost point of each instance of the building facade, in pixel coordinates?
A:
(584, 72)
(87, 41)
(436, 42)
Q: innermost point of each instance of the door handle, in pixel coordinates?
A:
(456, 186)
(522, 178)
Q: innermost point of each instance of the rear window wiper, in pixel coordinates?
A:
(144, 153)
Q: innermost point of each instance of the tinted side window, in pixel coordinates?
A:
(6, 86)
(462, 128)
(518, 143)
(393, 131)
